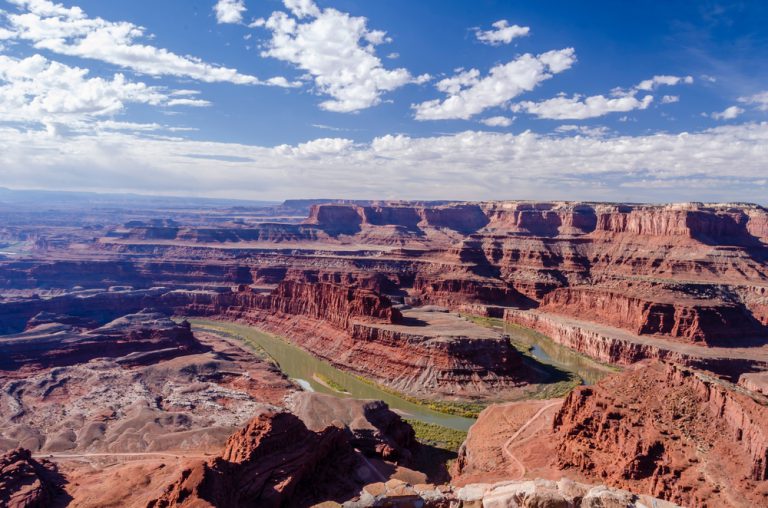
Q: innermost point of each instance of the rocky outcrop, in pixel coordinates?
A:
(25, 482)
(537, 493)
(375, 429)
(274, 461)
(670, 432)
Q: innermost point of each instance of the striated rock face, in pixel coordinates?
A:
(306, 295)
(670, 432)
(274, 460)
(350, 219)
(375, 429)
(704, 320)
(135, 339)
(25, 482)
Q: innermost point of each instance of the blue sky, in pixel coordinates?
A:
(265, 99)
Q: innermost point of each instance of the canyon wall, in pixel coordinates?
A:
(670, 432)
(687, 274)
(616, 346)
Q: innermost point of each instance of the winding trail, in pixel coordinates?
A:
(506, 448)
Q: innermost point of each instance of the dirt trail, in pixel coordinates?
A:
(506, 448)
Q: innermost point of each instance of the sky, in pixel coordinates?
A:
(436, 99)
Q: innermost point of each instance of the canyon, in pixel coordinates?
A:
(424, 300)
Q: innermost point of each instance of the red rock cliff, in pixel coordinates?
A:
(663, 430)
(272, 461)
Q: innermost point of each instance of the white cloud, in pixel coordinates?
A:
(338, 51)
(497, 121)
(37, 90)
(656, 81)
(316, 148)
(502, 33)
(229, 11)
(195, 103)
(583, 130)
(721, 164)
(728, 113)
(303, 8)
(759, 100)
(69, 31)
(580, 108)
(469, 94)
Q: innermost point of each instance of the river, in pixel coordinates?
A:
(312, 373)
(547, 351)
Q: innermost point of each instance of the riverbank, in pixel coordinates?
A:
(544, 350)
(322, 377)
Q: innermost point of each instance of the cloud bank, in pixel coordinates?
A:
(467, 165)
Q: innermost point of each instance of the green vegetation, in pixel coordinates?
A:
(437, 435)
(330, 383)
(449, 407)
(556, 389)
(488, 322)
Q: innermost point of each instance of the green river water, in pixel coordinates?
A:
(312, 373)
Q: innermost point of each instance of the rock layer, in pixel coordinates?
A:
(671, 432)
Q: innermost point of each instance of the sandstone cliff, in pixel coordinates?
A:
(274, 461)
(27, 483)
(670, 432)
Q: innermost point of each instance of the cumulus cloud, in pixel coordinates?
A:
(322, 147)
(670, 99)
(497, 121)
(720, 164)
(656, 81)
(758, 100)
(580, 107)
(339, 53)
(38, 90)
(69, 31)
(501, 33)
(728, 113)
(229, 11)
(469, 94)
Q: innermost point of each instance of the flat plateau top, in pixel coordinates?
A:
(436, 323)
